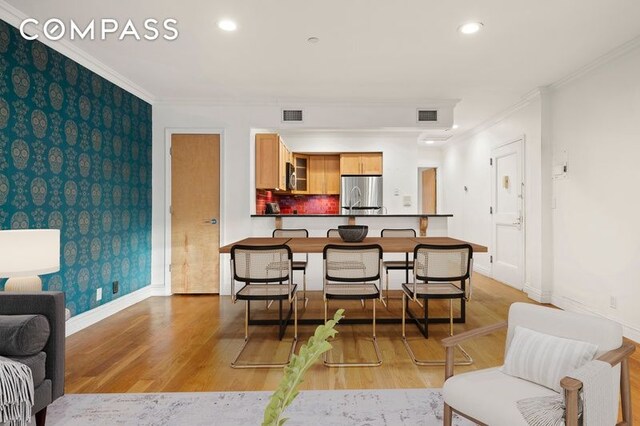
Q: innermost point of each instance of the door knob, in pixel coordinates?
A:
(212, 221)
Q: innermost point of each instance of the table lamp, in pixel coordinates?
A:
(27, 253)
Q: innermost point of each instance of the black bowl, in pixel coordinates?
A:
(353, 233)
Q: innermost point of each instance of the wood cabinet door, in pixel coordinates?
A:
(350, 164)
(371, 163)
(301, 164)
(267, 161)
(332, 174)
(316, 174)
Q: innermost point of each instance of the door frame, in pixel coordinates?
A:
(523, 144)
(168, 133)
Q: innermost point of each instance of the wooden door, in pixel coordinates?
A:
(267, 161)
(315, 173)
(429, 191)
(371, 163)
(195, 213)
(332, 174)
(508, 207)
(350, 164)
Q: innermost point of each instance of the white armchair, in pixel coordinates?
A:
(489, 397)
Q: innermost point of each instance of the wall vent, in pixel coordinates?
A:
(292, 115)
(427, 115)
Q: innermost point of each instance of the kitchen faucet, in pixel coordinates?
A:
(357, 203)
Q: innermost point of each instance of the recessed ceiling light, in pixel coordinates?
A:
(227, 25)
(470, 27)
(429, 142)
(455, 126)
(313, 40)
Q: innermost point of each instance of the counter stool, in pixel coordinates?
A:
(396, 265)
(298, 265)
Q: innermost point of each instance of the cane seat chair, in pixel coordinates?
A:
(352, 272)
(333, 233)
(265, 273)
(439, 272)
(298, 265)
(396, 265)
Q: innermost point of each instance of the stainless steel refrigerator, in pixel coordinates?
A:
(361, 195)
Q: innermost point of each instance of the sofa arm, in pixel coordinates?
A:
(51, 305)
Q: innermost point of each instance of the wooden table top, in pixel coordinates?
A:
(388, 244)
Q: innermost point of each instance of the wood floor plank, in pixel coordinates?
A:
(186, 343)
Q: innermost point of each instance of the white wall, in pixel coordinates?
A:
(237, 159)
(596, 226)
(466, 163)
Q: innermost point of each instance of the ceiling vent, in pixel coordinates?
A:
(292, 115)
(427, 115)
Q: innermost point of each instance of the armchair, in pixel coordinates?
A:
(488, 397)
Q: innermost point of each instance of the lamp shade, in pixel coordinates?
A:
(28, 252)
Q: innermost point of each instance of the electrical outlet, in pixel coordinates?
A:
(613, 302)
(115, 287)
(99, 294)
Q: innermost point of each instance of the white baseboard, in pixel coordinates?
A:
(101, 312)
(537, 294)
(571, 305)
(481, 269)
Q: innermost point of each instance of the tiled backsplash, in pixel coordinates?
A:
(302, 204)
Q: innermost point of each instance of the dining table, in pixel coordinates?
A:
(389, 245)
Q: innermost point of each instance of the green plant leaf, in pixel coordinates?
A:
(308, 355)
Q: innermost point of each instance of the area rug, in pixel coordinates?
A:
(344, 407)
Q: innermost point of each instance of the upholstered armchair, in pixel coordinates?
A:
(491, 397)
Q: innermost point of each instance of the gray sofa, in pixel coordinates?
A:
(46, 365)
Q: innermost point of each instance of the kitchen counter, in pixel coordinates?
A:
(351, 215)
(423, 220)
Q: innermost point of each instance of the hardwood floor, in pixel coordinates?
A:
(186, 343)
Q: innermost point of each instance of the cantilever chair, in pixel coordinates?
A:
(350, 273)
(266, 272)
(333, 233)
(489, 396)
(436, 269)
(396, 265)
(298, 265)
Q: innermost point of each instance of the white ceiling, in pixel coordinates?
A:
(369, 50)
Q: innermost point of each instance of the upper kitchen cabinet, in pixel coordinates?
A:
(301, 164)
(324, 174)
(272, 156)
(361, 163)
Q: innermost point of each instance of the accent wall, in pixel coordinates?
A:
(75, 154)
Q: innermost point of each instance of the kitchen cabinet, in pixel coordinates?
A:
(324, 174)
(301, 164)
(272, 156)
(361, 163)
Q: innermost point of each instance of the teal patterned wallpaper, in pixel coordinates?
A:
(75, 154)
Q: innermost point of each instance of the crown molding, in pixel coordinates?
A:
(598, 62)
(501, 116)
(15, 17)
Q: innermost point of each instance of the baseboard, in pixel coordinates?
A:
(572, 305)
(481, 269)
(537, 294)
(101, 312)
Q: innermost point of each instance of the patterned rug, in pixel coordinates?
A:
(348, 407)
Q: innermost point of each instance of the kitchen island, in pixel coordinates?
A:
(375, 222)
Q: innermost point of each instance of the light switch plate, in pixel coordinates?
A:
(406, 201)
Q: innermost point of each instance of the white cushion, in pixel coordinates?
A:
(603, 333)
(545, 359)
(490, 396)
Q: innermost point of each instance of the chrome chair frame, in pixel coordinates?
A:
(327, 279)
(407, 265)
(283, 233)
(291, 298)
(413, 297)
